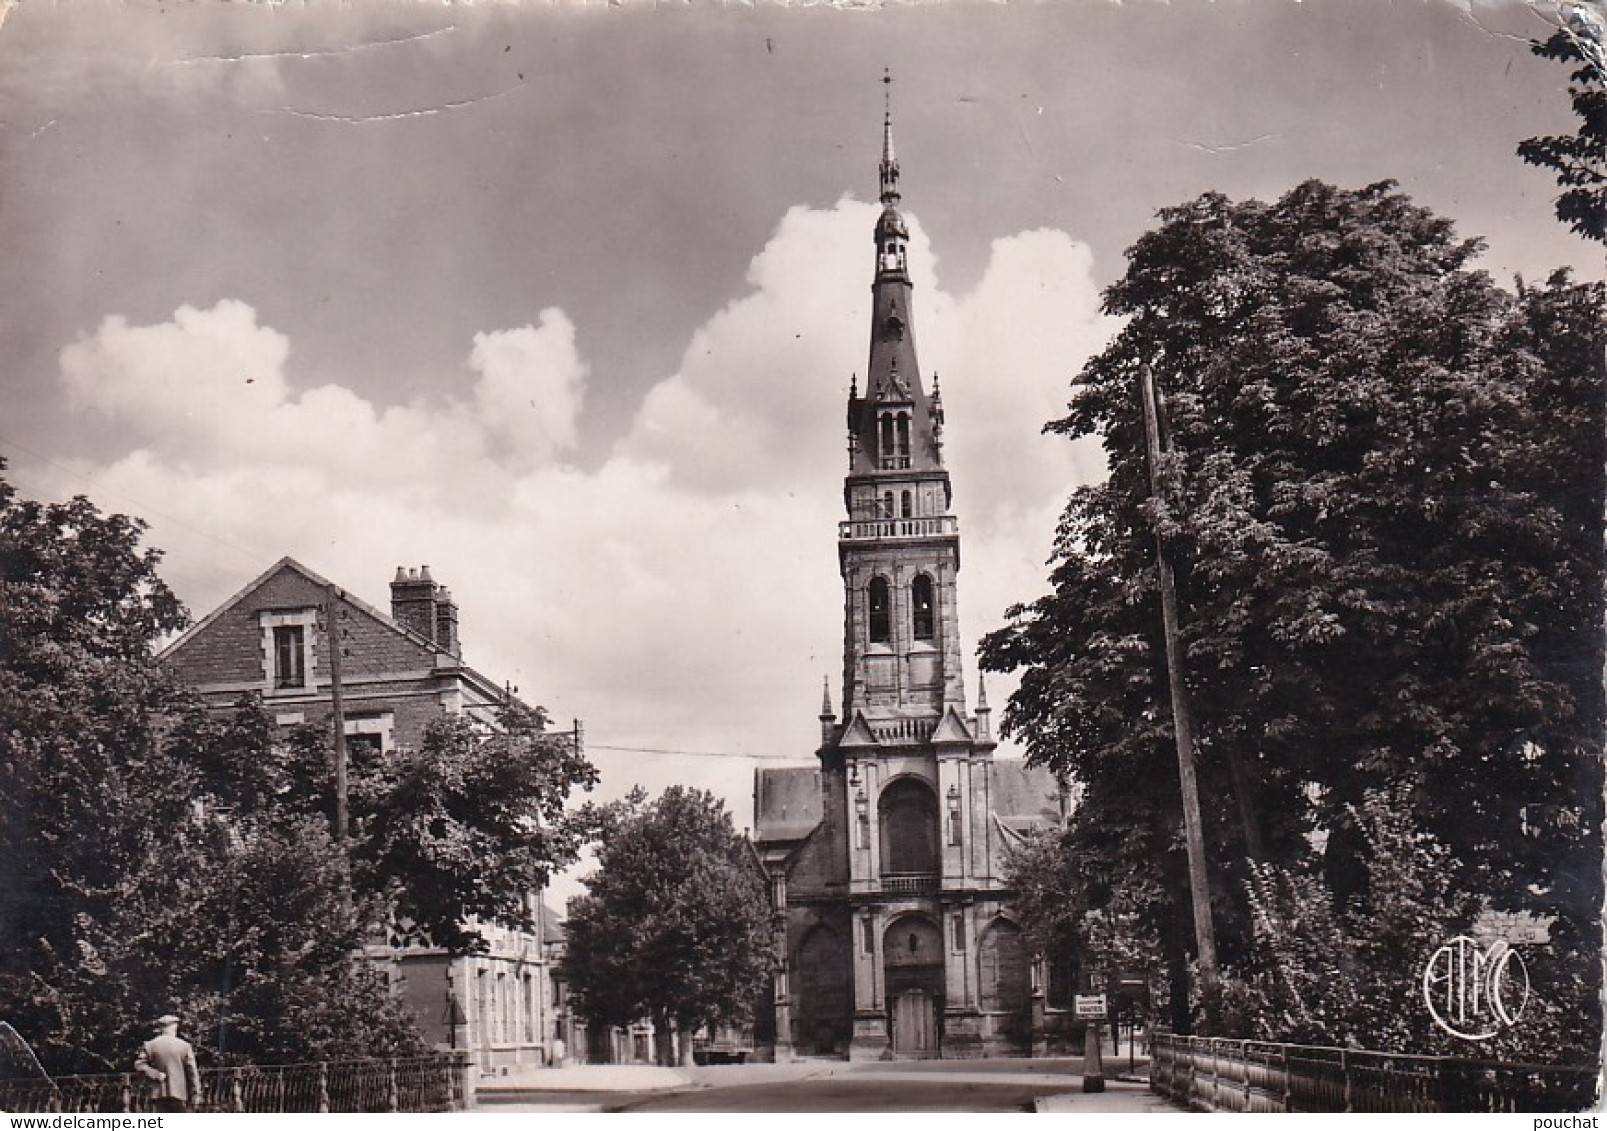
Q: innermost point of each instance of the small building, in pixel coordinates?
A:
(396, 673)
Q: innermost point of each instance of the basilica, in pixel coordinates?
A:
(886, 857)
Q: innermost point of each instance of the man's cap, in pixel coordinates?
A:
(166, 1019)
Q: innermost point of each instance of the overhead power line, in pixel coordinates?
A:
(699, 753)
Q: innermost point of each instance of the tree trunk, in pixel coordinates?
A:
(663, 1043)
(1243, 794)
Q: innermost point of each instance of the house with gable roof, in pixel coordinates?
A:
(396, 672)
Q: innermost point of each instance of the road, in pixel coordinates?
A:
(835, 1086)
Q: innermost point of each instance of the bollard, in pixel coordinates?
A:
(1093, 1071)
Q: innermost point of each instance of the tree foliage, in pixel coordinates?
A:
(675, 924)
(1383, 501)
(1579, 159)
(145, 863)
(469, 825)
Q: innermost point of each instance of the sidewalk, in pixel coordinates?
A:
(1124, 1096)
(587, 1078)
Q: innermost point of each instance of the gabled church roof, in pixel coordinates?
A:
(786, 803)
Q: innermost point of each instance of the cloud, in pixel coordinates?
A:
(530, 388)
(679, 594)
(208, 393)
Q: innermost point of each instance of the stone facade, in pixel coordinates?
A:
(397, 672)
(886, 859)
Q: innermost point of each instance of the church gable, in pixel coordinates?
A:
(952, 730)
(858, 734)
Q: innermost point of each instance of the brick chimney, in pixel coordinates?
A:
(419, 604)
(446, 621)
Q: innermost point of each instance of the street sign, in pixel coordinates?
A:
(1089, 1006)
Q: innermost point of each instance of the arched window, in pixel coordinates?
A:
(908, 813)
(907, 506)
(881, 618)
(887, 440)
(903, 440)
(887, 504)
(921, 607)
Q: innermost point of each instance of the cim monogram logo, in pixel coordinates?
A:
(1474, 992)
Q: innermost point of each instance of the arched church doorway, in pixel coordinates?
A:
(825, 989)
(912, 952)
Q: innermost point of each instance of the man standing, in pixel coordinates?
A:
(169, 1061)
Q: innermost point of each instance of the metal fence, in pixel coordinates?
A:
(1217, 1074)
(421, 1083)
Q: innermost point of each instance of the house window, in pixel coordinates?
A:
(867, 932)
(959, 930)
(369, 736)
(289, 656)
(907, 508)
(921, 607)
(881, 620)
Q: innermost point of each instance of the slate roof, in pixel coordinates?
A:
(787, 803)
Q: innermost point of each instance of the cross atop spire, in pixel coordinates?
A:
(889, 161)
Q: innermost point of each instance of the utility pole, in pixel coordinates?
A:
(338, 705)
(1193, 829)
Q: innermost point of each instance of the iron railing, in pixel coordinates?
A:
(882, 529)
(414, 1084)
(1219, 1074)
(909, 883)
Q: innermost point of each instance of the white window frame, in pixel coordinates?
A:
(307, 621)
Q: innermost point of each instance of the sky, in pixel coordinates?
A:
(564, 300)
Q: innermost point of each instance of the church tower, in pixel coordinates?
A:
(886, 859)
(900, 546)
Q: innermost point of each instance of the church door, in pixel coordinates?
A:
(914, 1023)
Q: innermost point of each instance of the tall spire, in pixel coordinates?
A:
(889, 162)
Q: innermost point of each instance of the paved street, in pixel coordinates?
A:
(820, 1086)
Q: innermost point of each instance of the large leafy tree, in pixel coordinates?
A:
(675, 924)
(1580, 159)
(464, 829)
(1382, 499)
(145, 864)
